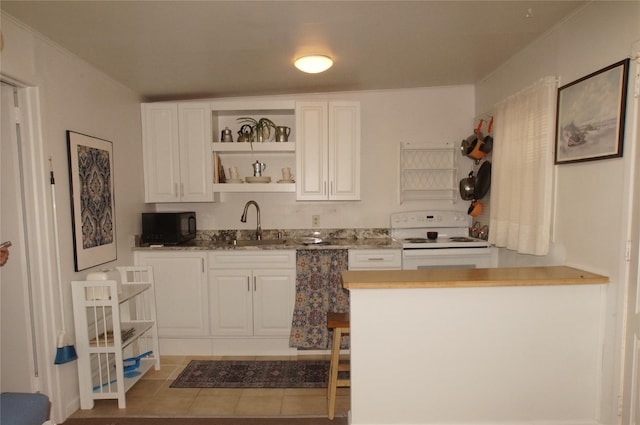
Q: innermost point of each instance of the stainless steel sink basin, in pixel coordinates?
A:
(311, 240)
(262, 242)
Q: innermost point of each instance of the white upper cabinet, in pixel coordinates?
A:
(178, 162)
(328, 150)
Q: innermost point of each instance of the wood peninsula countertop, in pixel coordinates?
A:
(466, 278)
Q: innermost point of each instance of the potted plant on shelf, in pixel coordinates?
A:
(260, 129)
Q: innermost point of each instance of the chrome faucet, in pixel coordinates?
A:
(244, 217)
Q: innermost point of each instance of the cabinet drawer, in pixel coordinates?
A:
(368, 259)
(272, 259)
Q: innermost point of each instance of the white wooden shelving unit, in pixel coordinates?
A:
(109, 366)
(428, 172)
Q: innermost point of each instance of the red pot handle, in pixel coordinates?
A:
(490, 126)
(479, 129)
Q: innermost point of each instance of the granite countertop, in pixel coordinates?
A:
(463, 278)
(285, 239)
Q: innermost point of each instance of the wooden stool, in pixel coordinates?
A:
(339, 322)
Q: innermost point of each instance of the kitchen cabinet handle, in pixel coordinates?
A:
(202, 264)
(248, 284)
(331, 192)
(375, 259)
(181, 190)
(254, 283)
(175, 189)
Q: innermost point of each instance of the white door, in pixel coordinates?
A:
(15, 357)
(273, 299)
(311, 151)
(196, 154)
(182, 303)
(161, 152)
(631, 375)
(344, 151)
(631, 392)
(230, 301)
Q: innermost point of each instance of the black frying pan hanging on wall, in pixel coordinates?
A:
(487, 142)
(483, 181)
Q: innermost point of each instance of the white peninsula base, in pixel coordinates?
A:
(485, 354)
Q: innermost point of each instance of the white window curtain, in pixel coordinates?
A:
(522, 177)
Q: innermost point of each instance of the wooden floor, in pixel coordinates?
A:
(152, 396)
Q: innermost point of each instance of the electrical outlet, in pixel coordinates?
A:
(315, 220)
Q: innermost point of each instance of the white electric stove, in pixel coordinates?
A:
(453, 246)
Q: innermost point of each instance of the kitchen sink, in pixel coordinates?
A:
(311, 240)
(261, 242)
(250, 242)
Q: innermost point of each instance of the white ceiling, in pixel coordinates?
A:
(189, 49)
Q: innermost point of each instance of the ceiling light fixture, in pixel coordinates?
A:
(313, 64)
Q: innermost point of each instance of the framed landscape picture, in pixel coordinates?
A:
(590, 115)
(92, 200)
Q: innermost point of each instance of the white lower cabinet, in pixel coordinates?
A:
(375, 259)
(252, 293)
(223, 302)
(181, 291)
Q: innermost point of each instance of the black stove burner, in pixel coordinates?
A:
(417, 240)
(451, 239)
(461, 239)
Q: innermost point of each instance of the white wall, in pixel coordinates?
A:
(592, 202)
(74, 96)
(425, 115)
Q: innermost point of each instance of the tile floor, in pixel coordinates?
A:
(152, 396)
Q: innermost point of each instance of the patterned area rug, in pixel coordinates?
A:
(254, 374)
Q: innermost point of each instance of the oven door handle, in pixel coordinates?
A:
(445, 252)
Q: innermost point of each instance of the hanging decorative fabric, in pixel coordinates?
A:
(318, 291)
(522, 180)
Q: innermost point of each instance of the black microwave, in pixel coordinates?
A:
(168, 228)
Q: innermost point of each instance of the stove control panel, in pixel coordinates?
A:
(428, 219)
